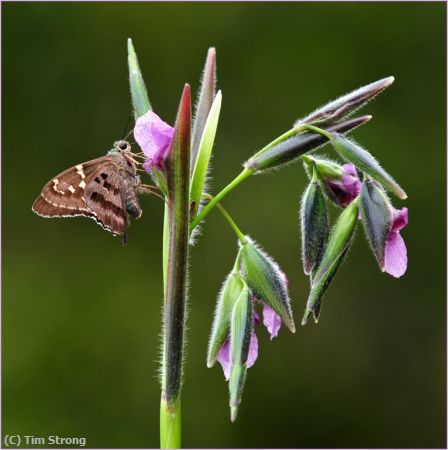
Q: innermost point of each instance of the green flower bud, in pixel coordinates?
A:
(240, 336)
(362, 159)
(376, 217)
(291, 149)
(335, 251)
(267, 281)
(230, 292)
(314, 225)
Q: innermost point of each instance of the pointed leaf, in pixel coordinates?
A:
(230, 292)
(266, 280)
(139, 94)
(205, 151)
(343, 106)
(376, 217)
(361, 158)
(206, 96)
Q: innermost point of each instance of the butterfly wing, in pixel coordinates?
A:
(92, 189)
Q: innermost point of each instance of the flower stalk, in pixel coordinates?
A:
(177, 168)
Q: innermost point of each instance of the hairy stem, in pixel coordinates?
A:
(175, 242)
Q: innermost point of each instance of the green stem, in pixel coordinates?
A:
(170, 424)
(231, 222)
(246, 173)
(318, 130)
(281, 138)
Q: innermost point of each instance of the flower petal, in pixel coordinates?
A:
(395, 255)
(154, 137)
(253, 350)
(224, 357)
(271, 321)
(400, 219)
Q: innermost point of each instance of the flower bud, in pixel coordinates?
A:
(376, 217)
(362, 159)
(314, 225)
(240, 337)
(341, 184)
(335, 251)
(291, 149)
(266, 280)
(230, 292)
(346, 105)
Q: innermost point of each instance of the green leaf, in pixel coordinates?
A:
(361, 158)
(265, 279)
(240, 336)
(206, 96)
(140, 100)
(376, 217)
(230, 292)
(205, 151)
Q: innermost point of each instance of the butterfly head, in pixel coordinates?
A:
(120, 147)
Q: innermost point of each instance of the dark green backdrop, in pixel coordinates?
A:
(81, 314)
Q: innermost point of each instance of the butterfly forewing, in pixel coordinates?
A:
(102, 189)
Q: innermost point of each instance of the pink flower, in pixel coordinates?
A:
(224, 355)
(347, 188)
(395, 253)
(271, 321)
(154, 137)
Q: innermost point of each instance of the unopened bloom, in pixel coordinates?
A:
(154, 137)
(348, 187)
(395, 253)
(341, 183)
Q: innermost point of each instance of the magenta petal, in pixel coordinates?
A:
(154, 137)
(224, 358)
(395, 255)
(272, 321)
(399, 218)
(253, 351)
(350, 169)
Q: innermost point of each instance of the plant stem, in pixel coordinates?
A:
(175, 261)
(246, 173)
(231, 222)
(240, 178)
(281, 138)
(318, 130)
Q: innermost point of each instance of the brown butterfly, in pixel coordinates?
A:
(104, 189)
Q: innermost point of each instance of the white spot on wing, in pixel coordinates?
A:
(82, 184)
(71, 189)
(55, 186)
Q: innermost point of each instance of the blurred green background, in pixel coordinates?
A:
(81, 314)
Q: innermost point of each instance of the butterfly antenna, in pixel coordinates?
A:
(126, 127)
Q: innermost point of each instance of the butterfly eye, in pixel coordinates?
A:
(123, 145)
